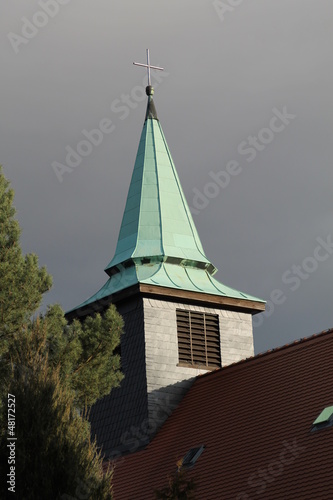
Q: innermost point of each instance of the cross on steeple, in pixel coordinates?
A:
(148, 66)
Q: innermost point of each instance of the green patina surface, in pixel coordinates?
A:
(158, 243)
(157, 221)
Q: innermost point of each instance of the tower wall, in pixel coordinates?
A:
(166, 381)
(154, 383)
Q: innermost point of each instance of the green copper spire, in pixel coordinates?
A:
(158, 244)
(157, 222)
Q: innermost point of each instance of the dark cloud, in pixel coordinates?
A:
(224, 80)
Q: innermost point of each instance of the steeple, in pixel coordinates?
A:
(158, 243)
(157, 225)
(179, 320)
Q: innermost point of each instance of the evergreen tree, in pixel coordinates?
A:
(54, 456)
(84, 352)
(22, 282)
(54, 370)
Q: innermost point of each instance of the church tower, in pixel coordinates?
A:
(179, 320)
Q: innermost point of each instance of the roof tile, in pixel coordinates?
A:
(255, 419)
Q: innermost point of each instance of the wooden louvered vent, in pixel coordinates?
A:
(198, 339)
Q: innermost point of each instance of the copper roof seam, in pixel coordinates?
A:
(145, 126)
(158, 183)
(185, 205)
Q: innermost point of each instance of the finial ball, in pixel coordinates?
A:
(150, 90)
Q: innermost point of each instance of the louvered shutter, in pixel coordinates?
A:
(198, 338)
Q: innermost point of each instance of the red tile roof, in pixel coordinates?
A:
(255, 419)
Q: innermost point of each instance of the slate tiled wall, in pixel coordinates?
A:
(116, 419)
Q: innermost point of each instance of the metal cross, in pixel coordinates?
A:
(148, 66)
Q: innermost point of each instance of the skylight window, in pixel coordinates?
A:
(325, 419)
(191, 457)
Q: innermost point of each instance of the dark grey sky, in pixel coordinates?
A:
(229, 71)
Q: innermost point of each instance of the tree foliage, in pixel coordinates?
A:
(22, 282)
(54, 370)
(179, 487)
(55, 457)
(85, 353)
